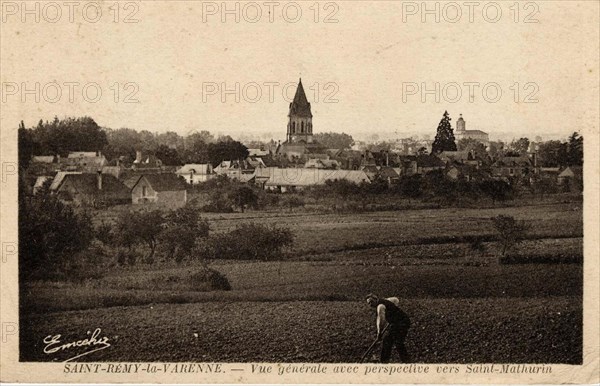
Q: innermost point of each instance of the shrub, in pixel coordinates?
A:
(247, 242)
(497, 190)
(292, 202)
(219, 202)
(103, 233)
(510, 232)
(209, 279)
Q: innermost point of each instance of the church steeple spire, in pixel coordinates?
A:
(300, 118)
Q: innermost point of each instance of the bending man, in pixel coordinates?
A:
(389, 312)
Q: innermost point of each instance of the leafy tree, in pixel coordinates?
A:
(136, 228)
(444, 138)
(71, 134)
(245, 197)
(171, 139)
(203, 135)
(182, 228)
(168, 156)
(553, 154)
(196, 149)
(123, 142)
(334, 140)
(575, 152)
(226, 151)
(496, 148)
(510, 232)
(470, 144)
(50, 234)
(520, 146)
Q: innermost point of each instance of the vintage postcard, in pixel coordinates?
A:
(306, 192)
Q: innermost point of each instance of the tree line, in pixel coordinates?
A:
(61, 136)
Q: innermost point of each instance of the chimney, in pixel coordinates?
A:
(99, 179)
(138, 157)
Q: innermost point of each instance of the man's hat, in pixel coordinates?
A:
(371, 296)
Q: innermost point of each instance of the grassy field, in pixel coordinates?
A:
(465, 307)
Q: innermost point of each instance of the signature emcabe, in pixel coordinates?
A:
(54, 345)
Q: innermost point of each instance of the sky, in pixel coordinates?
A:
(368, 67)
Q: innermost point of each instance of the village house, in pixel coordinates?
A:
(164, 189)
(569, 175)
(83, 161)
(258, 152)
(43, 165)
(194, 174)
(464, 157)
(39, 183)
(148, 164)
(520, 166)
(58, 179)
(284, 180)
(240, 170)
(371, 171)
(316, 163)
(92, 189)
(389, 174)
(428, 163)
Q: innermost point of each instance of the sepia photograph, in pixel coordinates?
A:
(372, 191)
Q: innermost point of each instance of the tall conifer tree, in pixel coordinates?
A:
(444, 138)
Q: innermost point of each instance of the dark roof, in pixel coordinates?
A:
(300, 106)
(164, 182)
(513, 161)
(88, 184)
(388, 172)
(370, 169)
(429, 161)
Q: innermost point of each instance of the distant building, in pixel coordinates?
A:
(83, 161)
(93, 189)
(44, 159)
(164, 189)
(149, 163)
(196, 173)
(316, 163)
(570, 174)
(299, 143)
(463, 133)
(521, 166)
(284, 180)
(299, 128)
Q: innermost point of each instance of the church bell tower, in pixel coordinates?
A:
(299, 128)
